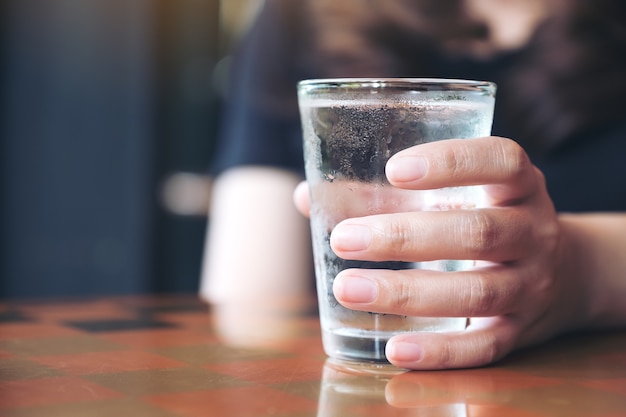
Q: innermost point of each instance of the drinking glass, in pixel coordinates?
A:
(351, 127)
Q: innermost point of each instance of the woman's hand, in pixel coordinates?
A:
(525, 292)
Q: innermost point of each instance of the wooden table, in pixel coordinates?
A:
(176, 356)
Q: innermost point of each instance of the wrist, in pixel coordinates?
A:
(592, 267)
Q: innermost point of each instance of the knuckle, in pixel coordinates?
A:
(541, 178)
(453, 161)
(516, 157)
(473, 351)
(446, 355)
(482, 296)
(400, 239)
(404, 298)
(491, 350)
(549, 231)
(544, 284)
(550, 235)
(481, 234)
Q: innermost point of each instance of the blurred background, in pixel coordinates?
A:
(108, 113)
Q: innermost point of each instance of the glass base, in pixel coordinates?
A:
(369, 345)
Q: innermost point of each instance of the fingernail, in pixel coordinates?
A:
(404, 351)
(350, 237)
(406, 168)
(355, 289)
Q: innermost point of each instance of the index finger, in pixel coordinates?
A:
(500, 163)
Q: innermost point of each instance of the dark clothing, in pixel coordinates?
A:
(585, 168)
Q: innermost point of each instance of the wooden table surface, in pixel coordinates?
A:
(176, 356)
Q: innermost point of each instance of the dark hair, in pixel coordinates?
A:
(569, 78)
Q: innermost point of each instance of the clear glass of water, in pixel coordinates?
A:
(351, 127)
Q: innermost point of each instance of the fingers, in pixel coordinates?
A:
(499, 164)
(488, 291)
(456, 162)
(487, 234)
(487, 343)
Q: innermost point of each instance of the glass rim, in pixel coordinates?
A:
(398, 82)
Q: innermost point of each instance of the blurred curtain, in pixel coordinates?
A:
(100, 100)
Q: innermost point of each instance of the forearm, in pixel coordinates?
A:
(595, 258)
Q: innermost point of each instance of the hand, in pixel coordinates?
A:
(521, 295)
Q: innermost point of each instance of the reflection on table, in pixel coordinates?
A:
(177, 356)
